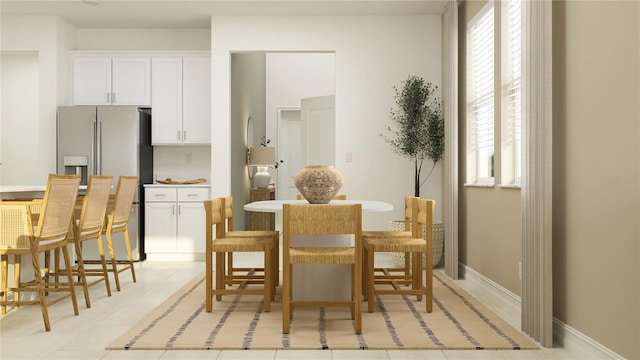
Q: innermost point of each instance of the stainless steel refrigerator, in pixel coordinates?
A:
(108, 140)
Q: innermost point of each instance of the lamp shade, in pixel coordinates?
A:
(262, 156)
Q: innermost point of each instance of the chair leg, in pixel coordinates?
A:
(220, 274)
(81, 275)
(371, 280)
(5, 276)
(417, 273)
(114, 266)
(429, 280)
(209, 280)
(17, 270)
(268, 278)
(129, 255)
(41, 294)
(286, 298)
(103, 262)
(72, 291)
(357, 297)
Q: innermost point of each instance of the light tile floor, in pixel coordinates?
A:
(22, 334)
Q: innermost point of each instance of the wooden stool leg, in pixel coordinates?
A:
(370, 278)
(5, 276)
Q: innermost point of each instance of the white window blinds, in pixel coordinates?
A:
(480, 34)
(512, 88)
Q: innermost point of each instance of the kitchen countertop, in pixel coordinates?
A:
(158, 185)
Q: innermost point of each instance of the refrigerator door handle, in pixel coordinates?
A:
(99, 149)
(94, 161)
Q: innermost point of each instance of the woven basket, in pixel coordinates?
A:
(438, 242)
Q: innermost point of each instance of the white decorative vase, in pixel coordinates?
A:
(262, 177)
(318, 183)
(438, 242)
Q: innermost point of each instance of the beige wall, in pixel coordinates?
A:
(596, 171)
(596, 188)
(490, 231)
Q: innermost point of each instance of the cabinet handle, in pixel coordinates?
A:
(113, 97)
(108, 98)
(192, 194)
(160, 195)
(173, 209)
(184, 135)
(179, 133)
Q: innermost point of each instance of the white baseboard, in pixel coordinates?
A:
(564, 336)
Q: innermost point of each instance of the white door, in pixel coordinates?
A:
(305, 137)
(317, 138)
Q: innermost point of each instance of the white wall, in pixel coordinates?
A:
(291, 77)
(372, 54)
(144, 39)
(38, 34)
(19, 74)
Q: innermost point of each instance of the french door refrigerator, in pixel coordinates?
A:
(108, 140)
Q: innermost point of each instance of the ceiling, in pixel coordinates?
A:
(197, 13)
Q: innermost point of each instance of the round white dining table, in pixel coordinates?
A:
(319, 281)
(276, 205)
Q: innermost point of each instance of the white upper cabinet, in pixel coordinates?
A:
(111, 81)
(196, 100)
(181, 100)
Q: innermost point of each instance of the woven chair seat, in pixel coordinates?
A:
(323, 255)
(241, 244)
(227, 280)
(251, 233)
(387, 234)
(395, 244)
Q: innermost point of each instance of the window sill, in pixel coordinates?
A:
(511, 186)
(480, 185)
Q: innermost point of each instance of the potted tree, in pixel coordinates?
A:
(418, 135)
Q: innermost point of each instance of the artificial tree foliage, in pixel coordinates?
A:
(418, 133)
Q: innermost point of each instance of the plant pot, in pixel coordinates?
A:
(438, 242)
(318, 183)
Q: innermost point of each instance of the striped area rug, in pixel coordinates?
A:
(458, 321)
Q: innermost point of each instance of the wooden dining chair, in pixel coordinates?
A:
(118, 222)
(12, 227)
(221, 246)
(422, 210)
(398, 274)
(88, 225)
(325, 219)
(52, 232)
(251, 274)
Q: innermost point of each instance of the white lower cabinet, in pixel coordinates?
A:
(175, 222)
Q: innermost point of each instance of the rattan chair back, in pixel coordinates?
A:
(226, 279)
(322, 219)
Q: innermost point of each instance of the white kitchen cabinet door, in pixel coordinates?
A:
(111, 81)
(191, 228)
(92, 81)
(131, 81)
(160, 227)
(196, 100)
(166, 101)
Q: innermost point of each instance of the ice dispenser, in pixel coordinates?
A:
(77, 165)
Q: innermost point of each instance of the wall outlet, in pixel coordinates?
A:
(520, 270)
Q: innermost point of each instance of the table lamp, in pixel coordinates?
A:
(262, 157)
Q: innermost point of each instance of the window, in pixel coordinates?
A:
(480, 98)
(511, 144)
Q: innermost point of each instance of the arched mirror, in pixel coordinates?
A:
(249, 143)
